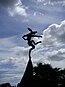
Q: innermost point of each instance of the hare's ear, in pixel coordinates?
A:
(29, 29)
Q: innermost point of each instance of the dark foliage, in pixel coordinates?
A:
(46, 76)
(5, 85)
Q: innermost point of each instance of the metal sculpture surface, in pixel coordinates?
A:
(31, 42)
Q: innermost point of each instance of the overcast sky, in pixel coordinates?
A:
(45, 16)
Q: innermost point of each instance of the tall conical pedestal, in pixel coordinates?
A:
(28, 76)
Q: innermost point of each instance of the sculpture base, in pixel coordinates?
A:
(26, 81)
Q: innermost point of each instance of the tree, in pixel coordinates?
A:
(48, 76)
(5, 85)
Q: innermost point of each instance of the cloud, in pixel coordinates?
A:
(51, 1)
(54, 35)
(17, 10)
(14, 7)
(20, 51)
(56, 55)
(41, 14)
(52, 48)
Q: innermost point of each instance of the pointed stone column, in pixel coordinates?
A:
(27, 79)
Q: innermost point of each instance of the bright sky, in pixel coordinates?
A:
(45, 16)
